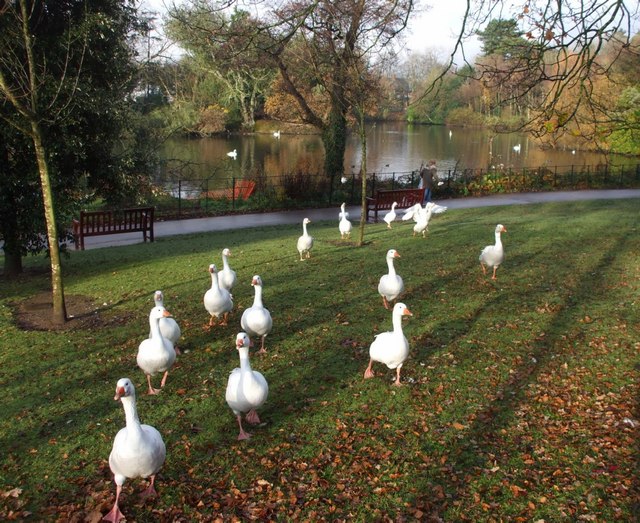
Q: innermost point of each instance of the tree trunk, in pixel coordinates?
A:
(57, 289)
(12, 262)
(334, 139)
(12, 247)
(363, 177)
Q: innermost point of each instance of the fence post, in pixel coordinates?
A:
(179, 197)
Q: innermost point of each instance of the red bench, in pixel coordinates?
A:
(102, 223)
(384, 200)
(241, 190)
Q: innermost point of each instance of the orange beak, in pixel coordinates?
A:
(407, 312)
(396, 255)
(166, 313)
(119, 393)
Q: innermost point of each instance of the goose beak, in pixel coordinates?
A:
(504, 229)
(166, 313)
(407, 312)
(396, 255)
(119, 393)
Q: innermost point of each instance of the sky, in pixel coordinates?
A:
(437, 28)
(434, 28)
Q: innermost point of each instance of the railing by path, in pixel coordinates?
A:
(187, 198)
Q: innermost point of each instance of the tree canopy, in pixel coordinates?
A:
(66, 70)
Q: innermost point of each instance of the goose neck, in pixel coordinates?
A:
(304, 228)
(397, 322)
(392, 269)
(130, 413)
(154, 324)
(245, 365)
(498, 239)
(257, 299)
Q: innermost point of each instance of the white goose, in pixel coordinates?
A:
(412, 213)
(423, 216)
(247, 389)
(391, 284)
(217, 300)
(391, 215)
(233, 154)
(227, 276)
(343, 213)
(156, 354)
(169, 327)
(256, 320)
(305, 242)
(138, 450)
(493, 255)
(276, 134)
(390, 348)
(345, 225)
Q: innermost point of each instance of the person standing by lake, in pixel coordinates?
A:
(427, 175)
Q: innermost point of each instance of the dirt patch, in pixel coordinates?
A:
(36, 313)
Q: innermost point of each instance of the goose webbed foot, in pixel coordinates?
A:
(150, 491)
(114, 515)
(242, 435)
(151, 391)
(252, 417)
(397, 382)
(368, 373)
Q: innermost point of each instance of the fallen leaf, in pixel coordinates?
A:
(13, 493)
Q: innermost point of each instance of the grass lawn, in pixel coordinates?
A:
(519, 399)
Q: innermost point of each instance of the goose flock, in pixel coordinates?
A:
(139, 450)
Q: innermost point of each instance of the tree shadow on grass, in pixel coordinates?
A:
(470, 456)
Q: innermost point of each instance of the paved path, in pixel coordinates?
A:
(239, 221)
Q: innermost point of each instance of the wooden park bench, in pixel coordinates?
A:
(384, 199)
(102, 223)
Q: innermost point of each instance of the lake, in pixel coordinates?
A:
(392, 147)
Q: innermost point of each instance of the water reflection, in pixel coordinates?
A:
(392, 147)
